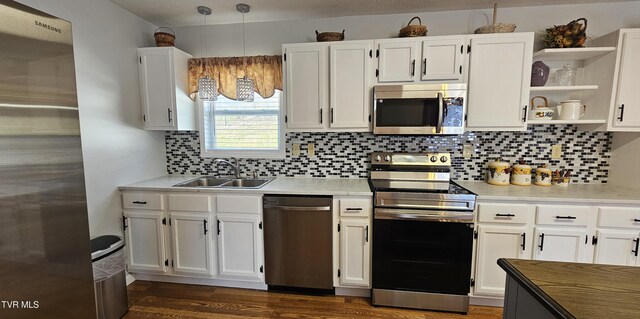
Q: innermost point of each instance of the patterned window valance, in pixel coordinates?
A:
(266, 71)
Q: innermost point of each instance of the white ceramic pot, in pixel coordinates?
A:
(542, 111)
(521, 174)
(571, 110)
(543, 176)
(498, 173)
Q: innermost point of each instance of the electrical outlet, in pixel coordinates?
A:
(556, 151)
(467, 151)
(295, 149)
(311, 150)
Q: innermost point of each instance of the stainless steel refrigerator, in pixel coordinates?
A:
(45, 260)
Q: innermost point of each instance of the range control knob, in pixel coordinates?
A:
(434, 159)
(377, 158)
(387, 158)
(443, 159)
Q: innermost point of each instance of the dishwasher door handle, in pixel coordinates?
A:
(299, 208)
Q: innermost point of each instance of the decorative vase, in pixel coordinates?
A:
(539, 73)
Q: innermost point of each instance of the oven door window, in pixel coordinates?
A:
(418, 112)
(422, 256)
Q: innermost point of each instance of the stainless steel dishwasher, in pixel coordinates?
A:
(298, 245)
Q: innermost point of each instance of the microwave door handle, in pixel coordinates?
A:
(440, 113)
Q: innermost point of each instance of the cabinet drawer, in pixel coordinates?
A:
(565, 215)
(503, 213)
(628, 217)
(189, 203)
(151, 201)
(239, 204)
(355, 207)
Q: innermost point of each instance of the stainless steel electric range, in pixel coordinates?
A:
(422, 233)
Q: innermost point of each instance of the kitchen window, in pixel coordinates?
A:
(242, 129)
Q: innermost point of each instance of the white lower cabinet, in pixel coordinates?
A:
(355, 252)
(206, 236)
(495, 242)
(239, 246)
(617, 247)
(145, 241)
(352, 241)
(569, 244)
(191, 243)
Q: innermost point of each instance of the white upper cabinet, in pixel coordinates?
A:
(397, 60)
(306, 85)
(499, 78)
(626, 110)
(328, 86)
(442, 59)
(350, 87)
(163, 89)
(433, 59)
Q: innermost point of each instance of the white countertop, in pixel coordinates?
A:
(583, 193)
(281, 185)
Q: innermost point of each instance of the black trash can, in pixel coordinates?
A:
(109, 276)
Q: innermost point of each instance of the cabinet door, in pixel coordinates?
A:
(144, 236)
(355, 252)
(499, 78)
(350, 97)
(496, 242)
(191, 241)
(561, 244)
(617, 247)
(627, 112)
(442, 60)
(239, 246)
(397, 61)
(306, 86)
(157, 88)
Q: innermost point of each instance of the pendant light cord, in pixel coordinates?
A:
(244, 49)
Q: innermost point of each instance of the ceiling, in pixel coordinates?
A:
(183, 12)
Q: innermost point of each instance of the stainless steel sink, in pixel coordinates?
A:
(204, 182)
(246, 183)
(216, 182)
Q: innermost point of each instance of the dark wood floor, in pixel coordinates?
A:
(161, 300)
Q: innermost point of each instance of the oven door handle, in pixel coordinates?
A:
(432, 215)
(440, 113)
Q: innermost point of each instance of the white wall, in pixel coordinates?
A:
(267, 37)
(625, 160)
(116, 151)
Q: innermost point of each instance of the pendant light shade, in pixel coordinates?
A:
(244, 86)
(207, 87)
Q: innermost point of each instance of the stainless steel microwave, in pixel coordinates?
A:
(419, 109)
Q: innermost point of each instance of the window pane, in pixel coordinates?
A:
(233, 125)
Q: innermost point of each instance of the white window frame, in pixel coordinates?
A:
(257, 154)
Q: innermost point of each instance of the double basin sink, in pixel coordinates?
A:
(225, 182)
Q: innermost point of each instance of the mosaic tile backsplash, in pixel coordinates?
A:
(345, 155)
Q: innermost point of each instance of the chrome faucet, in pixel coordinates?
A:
(235, 166)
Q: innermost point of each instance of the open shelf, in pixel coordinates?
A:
(540, 122)
(563, 88)
(563, 54)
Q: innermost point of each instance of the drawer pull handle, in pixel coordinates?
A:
(354, 209)
(636, 220)
(524, 240)
(637, 241)
(541, 246)
(505, 215)
(139, 202)
(565, 217)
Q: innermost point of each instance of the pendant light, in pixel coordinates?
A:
(244, 86)
(207, 87)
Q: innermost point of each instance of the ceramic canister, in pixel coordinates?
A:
(543, 176)
(521, 174)
(498, 172)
